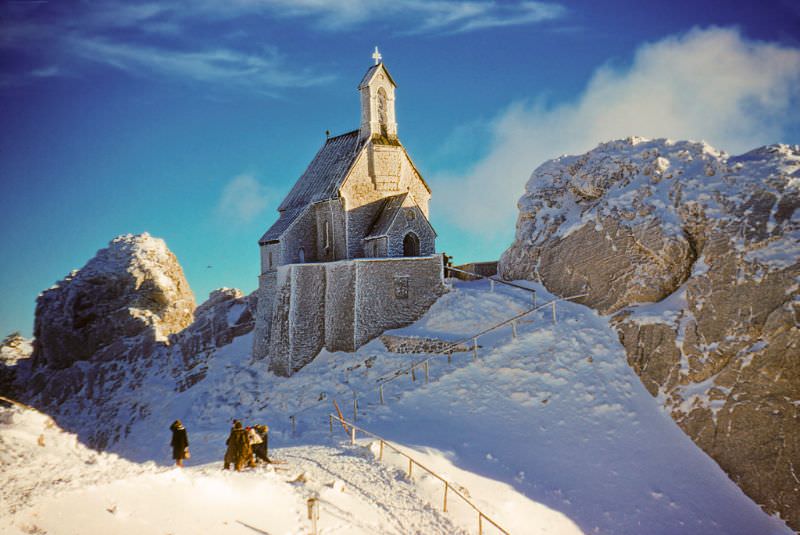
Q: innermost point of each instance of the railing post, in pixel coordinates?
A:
(480, 523)
(491, 284)
(355, 409)
(380, 391)
(514, 329)
(533, 298)
(554, 312)
(413, 375)
(450, 356)
(330, 421)
(380, 455)
(426, 372)
(294, 423)
(475, 348)
(444, 506)
(410, 465)
(352, 434)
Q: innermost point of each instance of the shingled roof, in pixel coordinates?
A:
(320, 182)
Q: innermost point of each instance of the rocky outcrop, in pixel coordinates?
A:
(124, 321)
(695, 256)
(134, 286)
(15, 352)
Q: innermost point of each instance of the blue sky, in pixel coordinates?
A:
(191, 119)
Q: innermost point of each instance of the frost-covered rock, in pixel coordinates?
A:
(697, 253)
(15, 352)
(134, 286)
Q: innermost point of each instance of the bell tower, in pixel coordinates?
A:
(377, 102)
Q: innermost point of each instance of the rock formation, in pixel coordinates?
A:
(125, 320)
(133, 286)
(695, 255)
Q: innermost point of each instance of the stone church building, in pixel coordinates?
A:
(353, 250)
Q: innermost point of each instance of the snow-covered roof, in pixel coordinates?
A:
(320, 181)
(283, 223)
(371, 72)
(325, 173)
(387, 213)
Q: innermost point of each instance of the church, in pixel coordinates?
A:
(355, 224)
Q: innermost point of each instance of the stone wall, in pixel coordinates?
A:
(418, 344)
(402, 225)
(393, 293)
(331, 241)
(343, 305)
(301, 234)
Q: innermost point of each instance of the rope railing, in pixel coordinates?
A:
(448, 486)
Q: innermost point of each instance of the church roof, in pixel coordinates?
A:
(388, 213)
(320, 182)
(325, 173)
(280, 226)
(371, 72)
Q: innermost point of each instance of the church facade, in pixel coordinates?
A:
(355, 229)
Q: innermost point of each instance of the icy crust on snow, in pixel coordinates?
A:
(638, 181)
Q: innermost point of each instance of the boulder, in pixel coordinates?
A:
(134, 286)
(695, 257)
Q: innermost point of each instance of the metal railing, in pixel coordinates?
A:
(448, 486)
(492, 281)
(448, 350)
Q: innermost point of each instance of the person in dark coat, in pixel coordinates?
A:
(180, 442)
(239, 452)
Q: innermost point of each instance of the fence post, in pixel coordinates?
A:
(480, 523)
(554, 312)
(352, 434)
(380, 391)
(330, 421)
(426, 372)
(450, 357)
(355, 409)
(413, 375)
(410, 465)
(380, 455)
(475, 348)
(533, 298)
(294, 423)
(513, 329)
(491, 284)
(313, 513)
(444, 507)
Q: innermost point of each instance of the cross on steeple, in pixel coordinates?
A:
(377, 56)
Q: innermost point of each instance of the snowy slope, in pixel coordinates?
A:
(548, 433)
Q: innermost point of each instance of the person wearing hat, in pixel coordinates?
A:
(179, 443)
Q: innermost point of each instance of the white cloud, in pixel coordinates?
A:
(408, 16)
(711, 85)
(243, 199)
(265, 70)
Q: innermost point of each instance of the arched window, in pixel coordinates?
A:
(383, 118)
(301, 254)
(269, 259)
(411, 245)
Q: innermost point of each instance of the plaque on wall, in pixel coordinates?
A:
(401, 287)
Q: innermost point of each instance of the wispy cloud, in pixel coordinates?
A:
(711, 84)
(223, 65)
(243, 199)
(405, 16)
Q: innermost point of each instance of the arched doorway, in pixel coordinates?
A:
(411, 245)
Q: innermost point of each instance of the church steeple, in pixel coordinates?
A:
(377, 101)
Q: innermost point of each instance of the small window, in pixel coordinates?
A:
(327, 234)
(410, 214)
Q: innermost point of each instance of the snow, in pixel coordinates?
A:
(548, 433)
